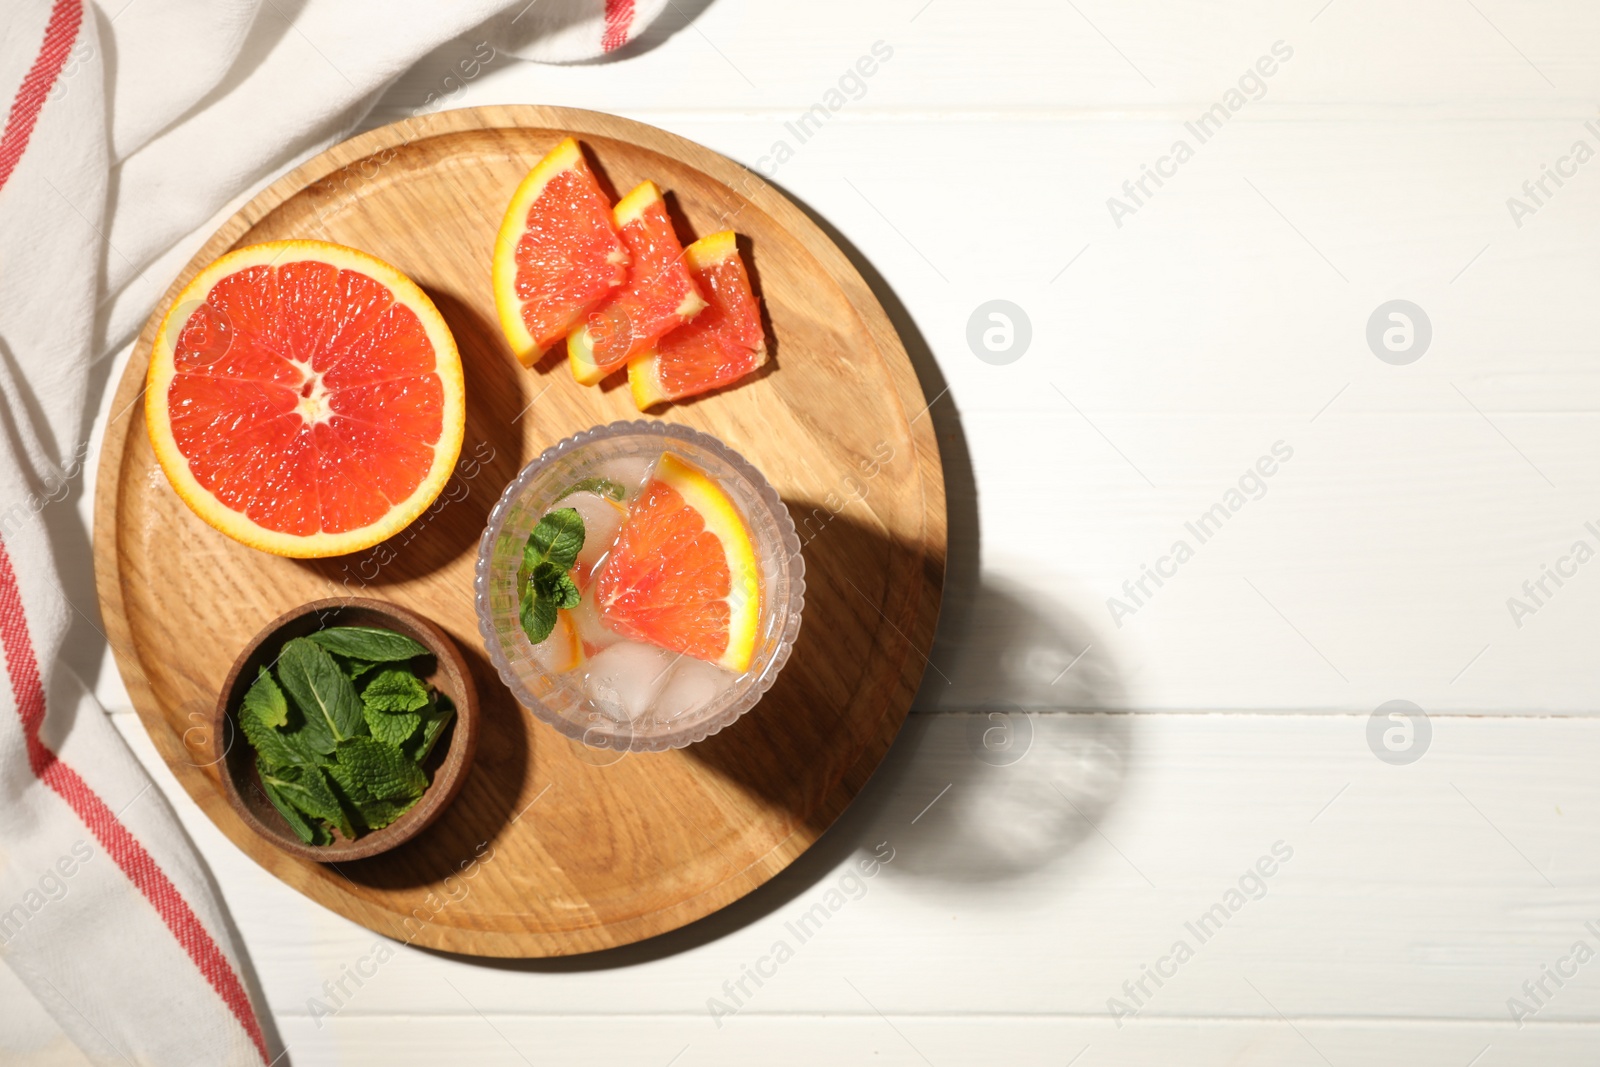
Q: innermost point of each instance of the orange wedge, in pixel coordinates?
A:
(725, 342)
(682, 574)
(658, 297)
(557, 254)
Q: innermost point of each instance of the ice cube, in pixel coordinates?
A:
(602, 518)
(623, 680)
(692, 685)
(630, 472)
(594, 633)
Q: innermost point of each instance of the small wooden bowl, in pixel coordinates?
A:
(446, 764)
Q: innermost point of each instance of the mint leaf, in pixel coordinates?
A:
(274, 748)
(543, 584)
(537, 614)
(302, 829)
(391, 726)
(308, 738)
(307, 733)
(377, 770)
(265, 700)
(368, 643)
(434, 720)
(347, 785)
(355, 668)
(556, 585)
(322, 691)
(391, 702)
(307, 790)
(394, 691)
(557, 539)
(600, 486)
(376, 814)
(373, 812)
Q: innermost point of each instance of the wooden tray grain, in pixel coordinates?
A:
(552, 848)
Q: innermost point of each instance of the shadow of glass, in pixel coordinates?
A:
(836, 707)
(972, 797)
(1008, 782)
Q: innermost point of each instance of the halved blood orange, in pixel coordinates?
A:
(557, 253)
(682, 574)
(305, 398)
(659, 295)
(725, 342)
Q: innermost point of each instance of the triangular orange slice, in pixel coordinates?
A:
(725, 342)
(682, 574)
(557, 255)
(658, 296)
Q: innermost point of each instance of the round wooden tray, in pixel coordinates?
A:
(552, 848)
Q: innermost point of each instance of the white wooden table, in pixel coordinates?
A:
(1087, 784)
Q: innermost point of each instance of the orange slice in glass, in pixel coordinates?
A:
(682, 574)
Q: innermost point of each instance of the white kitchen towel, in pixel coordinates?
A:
(129, 126)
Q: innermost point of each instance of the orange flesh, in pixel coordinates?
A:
(569, 256)
(722, 344)
(667, 581)
(646, 307)
(305, 398)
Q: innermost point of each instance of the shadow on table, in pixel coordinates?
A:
(1033, 786)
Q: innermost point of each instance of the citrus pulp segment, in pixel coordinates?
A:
(557, 254)
(658, 296)
(682, 574)
(305, 398)
(722, 344)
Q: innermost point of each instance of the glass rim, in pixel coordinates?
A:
(792, 567)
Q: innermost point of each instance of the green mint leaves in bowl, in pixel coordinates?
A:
(340, 715)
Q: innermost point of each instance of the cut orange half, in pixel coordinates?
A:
(659, 295)
(682, 574)
(725, 342)
(305, 398)
(557, 253)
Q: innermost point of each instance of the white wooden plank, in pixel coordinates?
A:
(1038, 54)
(918, 1041)
(1429, 891)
